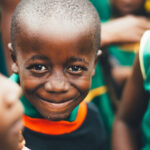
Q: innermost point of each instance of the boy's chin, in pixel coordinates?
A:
(57, 116)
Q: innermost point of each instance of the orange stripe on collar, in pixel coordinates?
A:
(56, 127)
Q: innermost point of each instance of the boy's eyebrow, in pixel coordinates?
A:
(41, 57)
(74, 59)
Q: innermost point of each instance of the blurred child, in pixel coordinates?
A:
(126, 7)
(55, 45)
(11, 112)
(135, 101)
(124, 53)
(120, 42)
(123, 29)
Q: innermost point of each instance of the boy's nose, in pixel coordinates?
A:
(57, 84)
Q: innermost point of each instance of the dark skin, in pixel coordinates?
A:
(121, 27)
(11, 112)
(132, 108)
(55, 67)
(7, 8)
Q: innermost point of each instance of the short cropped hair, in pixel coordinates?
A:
(78, 12)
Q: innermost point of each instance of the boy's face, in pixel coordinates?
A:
(55, 69)
(128, 6)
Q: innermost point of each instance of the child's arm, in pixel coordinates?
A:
(124, 29)
(11, 112)
(131, 111)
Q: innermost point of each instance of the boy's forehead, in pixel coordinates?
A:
(55, 26)
(55, 34)
(56, 30)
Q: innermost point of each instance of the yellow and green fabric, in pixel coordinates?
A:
(100, 97)
(124, 53)
(144, 55)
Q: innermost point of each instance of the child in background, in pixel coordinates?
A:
(112, 32)
(115, 31)
(135, 103)
(125, 53)
(11, 112)
(55, 45)
(126, 7)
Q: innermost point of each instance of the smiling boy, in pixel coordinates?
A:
(55, 45)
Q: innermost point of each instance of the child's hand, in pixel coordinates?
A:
(22, 142)
(25, 148)
(125, 29)
(11, 112)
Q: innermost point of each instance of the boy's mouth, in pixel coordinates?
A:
(60, 103)
(56, 101)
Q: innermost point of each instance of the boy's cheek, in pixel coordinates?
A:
(28, 83)
(82, 84)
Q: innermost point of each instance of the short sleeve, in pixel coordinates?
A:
(144, 58)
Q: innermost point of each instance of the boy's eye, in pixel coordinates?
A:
(76, 69)
(38, 68)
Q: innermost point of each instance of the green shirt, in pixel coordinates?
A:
(100, 97)
(144, 55)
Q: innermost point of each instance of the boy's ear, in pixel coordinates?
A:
(98, 53)
(12, 52)
(14, 66)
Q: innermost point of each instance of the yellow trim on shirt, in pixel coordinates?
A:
(130, 47)
(147, 5)
(95, 92)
